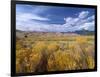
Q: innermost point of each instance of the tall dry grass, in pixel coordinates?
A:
(41, 56)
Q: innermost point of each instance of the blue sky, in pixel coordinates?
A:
(53, 19)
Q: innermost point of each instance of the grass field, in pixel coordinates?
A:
(37, 52)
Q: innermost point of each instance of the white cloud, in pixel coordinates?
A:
(83, 21)
(83, 14)
(68, 19)
(88, 25)
(29, 16)
(91, 18)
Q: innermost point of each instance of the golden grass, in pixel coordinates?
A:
(40, 56)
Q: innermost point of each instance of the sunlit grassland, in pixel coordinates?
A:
(54, 53)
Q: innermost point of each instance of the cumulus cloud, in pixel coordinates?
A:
(71, 21)
(68, 19)
(88, 26)
(83, 21)
(83, 14)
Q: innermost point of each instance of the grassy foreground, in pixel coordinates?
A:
(54, 53)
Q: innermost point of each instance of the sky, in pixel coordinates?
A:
(54, 19)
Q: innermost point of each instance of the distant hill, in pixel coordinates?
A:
(19, 30)
(78, 32)
(85, 32)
